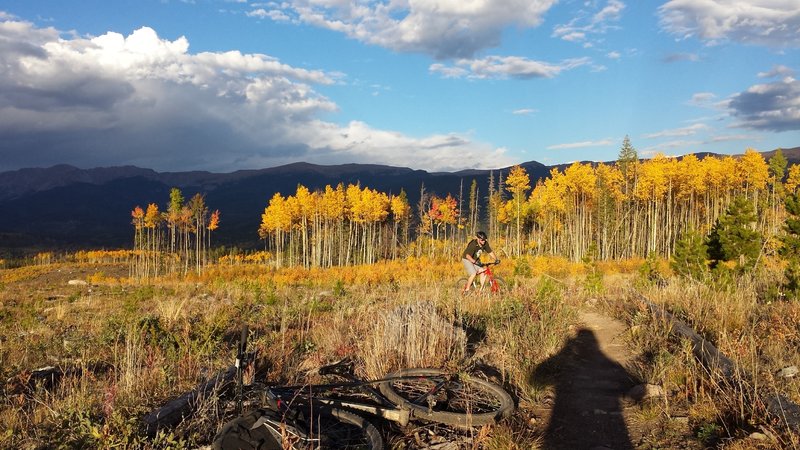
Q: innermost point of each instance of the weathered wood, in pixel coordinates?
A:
(176, 410)
(717, 363)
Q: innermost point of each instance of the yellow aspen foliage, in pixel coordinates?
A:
(333, 203)
(152, 217)
(580, 179)
(689, 177)
(137, 216)
(611, 180)
(448, 210)
(375, 204)
(274, 217)
(506, 212)
(355, 204)
(518, 182)
(793, 180)
(731, 178)
(305, 201)
(551, 194)
(213, 222)
(753, 170)
(401, 210)
(653, 180)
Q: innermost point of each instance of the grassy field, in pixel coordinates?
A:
(132, 346)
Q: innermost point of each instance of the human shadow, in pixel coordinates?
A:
(587, 409)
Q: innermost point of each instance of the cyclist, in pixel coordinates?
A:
(471, 258)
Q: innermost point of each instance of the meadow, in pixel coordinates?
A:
(128, 346)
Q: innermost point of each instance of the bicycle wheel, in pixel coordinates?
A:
(338, 428)
(328, 428)
(498, 285)
(240, 434)
(434, 395)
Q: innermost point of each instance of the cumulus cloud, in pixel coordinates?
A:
(581, 144)
(274, 14)
(777, 71)
(147, 101)
(591, 22)
(771, 23)
(444, 29)
(494, 67)
(771, 106)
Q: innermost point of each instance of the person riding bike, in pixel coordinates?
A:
(471, 258)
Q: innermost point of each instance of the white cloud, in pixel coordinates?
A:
(613, 55)
(148, 101)
(771, 106)
(448, 71)
(703, 99)
(685, 131)
(777, 71)
(772, 23)
(524, 111)
(582, 144)
(501, 67)
(591, 22)
(662, 147)
(273, 14)
(442, 28)
(735, 137)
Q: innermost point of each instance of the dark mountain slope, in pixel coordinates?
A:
(63, 206)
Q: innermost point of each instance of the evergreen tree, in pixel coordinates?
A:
(733, 237)
(790, 248)
(627, 158)
(777, 166)
(690, 255)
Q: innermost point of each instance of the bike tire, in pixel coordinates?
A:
(347, 430)
(462, 403)
(329, 428)
(501, 285)
(239, 434)
(461, 283)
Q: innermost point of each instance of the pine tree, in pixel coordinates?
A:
(733, 237)
(790, 248)
(690, 255)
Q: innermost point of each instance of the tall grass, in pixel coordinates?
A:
(742, 318)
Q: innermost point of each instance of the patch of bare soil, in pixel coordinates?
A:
(591, 406)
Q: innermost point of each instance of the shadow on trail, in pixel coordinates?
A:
(587, 410)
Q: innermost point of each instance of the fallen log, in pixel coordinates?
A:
(176, 410)
(777, 405)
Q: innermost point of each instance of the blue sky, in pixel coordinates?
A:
(223, 85)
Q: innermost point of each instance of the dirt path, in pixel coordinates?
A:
(589, 383)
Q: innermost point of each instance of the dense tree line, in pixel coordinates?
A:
(629, 208)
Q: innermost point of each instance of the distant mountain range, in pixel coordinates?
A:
(67, 207)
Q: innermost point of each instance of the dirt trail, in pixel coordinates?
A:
(589, 382)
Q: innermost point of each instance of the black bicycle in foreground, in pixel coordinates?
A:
(334, 415)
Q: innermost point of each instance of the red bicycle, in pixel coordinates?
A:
(492, 283)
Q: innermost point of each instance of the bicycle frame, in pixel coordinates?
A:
(277, 397)
(490, 279)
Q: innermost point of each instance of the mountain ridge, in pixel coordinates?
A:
(66, 207)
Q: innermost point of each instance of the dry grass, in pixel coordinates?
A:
(165, 337)
(760, 336)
